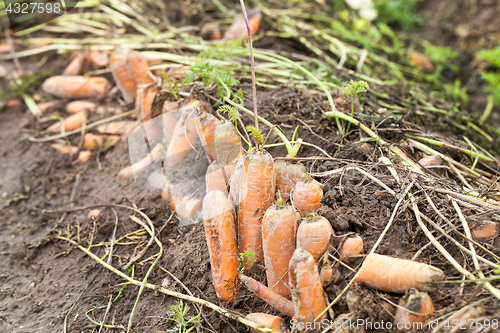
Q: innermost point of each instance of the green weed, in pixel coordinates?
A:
(179, 315)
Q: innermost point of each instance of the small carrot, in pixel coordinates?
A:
(421, 61)
(206, 125)
(47, 105)
(308, 298)
(166, 195)
(140, 165)
(414, 307)
(307, 195)
(83, 156)
(279, 227)
(210, 31)
(397, 275)
(98, 58)
(79, 106)
(75, 65)
(185, 207)
(117, 127)
(432, 160)
(76, 86)
(72, 122)
(220, 231)
(257, 187)
(268, 295)
(91, 141)
(218, 175)
(287, 175)
(325, 274)
(485, 229)
(13, 103)
(138, 68)
(118, 65)
(265, 320)
(227, 142)
(238, 28)
(352, 247)
(313, 235)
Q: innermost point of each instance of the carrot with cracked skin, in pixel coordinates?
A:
(307, 195)
(265, 320)
(227, 143)
(185, 207)
(70, 123)
(313, 235)
(257, 187)
(287, 175)
(238, 28)
(279, 227)
(396, 275)
(123, 79)
(218, 175)
(75, 65)
(268, 295)
(139, 166)
(220, 231)
(75, 86)
(351, 247)
(308, 298)
(206, 125)
(414, 307)
(79, 106)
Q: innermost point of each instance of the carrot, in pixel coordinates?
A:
(218, 219)
(138, 68)
(185, 207)
(118, 65)
(279, 227)
(352, 247)
(287, 175)
(140, 165)
(165, 194)
(148, 98)
(91, 141)
(235, 181)
(72, 122)
(210, 31)
(5, 47)
(308, 299)
(268, 295)
(98, 58)
(47, 105)
(257, 189)
(75, 65)
(397, 275)
(227, 142)
(307, 195)
(76, 86)
(83, 156)
(414, 307)
(431, 160)
(485, 229)
(206, 125)
(265, 320)
(421, 61)
(13, 103)
(79, 106)
(313, 235)
(169, 119)
(93, 213)
(238, 28)
(117, 127)
(217, 176)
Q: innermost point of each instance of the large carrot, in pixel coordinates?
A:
(351, 247)
(79, 106)
(138, 68)
(279, 226)
(313, 235)
(72, 122)
(227, 142)
(137, 167)
(257, 189)
(268, 295)
(218, 175)
(75, 65)
(287, 175)
(76, 86)
(397, 275)
(308, 299)
(118, 65)
(413, 308)
(307, 195)
(234, 183)
(265, 320)
(220, 231)
(238, 28)
(206, 125)
(210, 31)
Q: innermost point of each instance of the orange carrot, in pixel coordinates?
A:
(397, 275)
(149, 95)
(169, 119)
(117, 127)
(257, 189)
(265, 320)
(352, 247)
(287, 175)
(414, 307)
(138, 68)
(83, 156)
(307, 195)
(47, 105)
(279, 226)
(118, 64)
(220, 231)
(325, 274)
(140, 165)
(185, 207)
(269, 296)
(72, 122)
(218, 175)
(239, 28)
(98, 58)
(91, 141)
(79, 106)
(210, 31)
(485, 229)
(313, 235)
(235, 182)
(75, 65)
(93, 213)
(421, 61)
(206, 125)
(308, 299)
(227, 142)
(76, 86)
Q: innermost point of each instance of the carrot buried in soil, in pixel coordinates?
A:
(485, 229)
(218, 175)
(265, 320)
(72, 122)
(414, 307)
(352, 247)
(206, 125)
(75, 65)
(269, 296)
(287, 175)
(313, 235)
(137, 167)
(80, 106)
(220, 231)
(238, 28)
(118, 65)
(257, 187)
(76, 86)
(83, 156)
(227, 143)
(279, 226)
(307, 195)
(397, 275)
(308, 298)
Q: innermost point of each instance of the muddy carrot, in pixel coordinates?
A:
(265, 320)
(218, 175)
(206, 125)
(138, 166)
(421, 61)
(210, 31)
(227, 143)
(91, 141)
(313, 235)
(238, 28)
(75, 65)
(269, 296)
(257, 187)
(287, 175)
(307, 195)
(83, 156)
(220, 232)
(484, 229)
(414, 307)
(72, 122)
(118, 65)
(76, 86)
(79, 106)
(168, 119)
(352, 247)
(397, 275)
(185, 207)
(308, 299)
(98, 58)
(279, 227)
